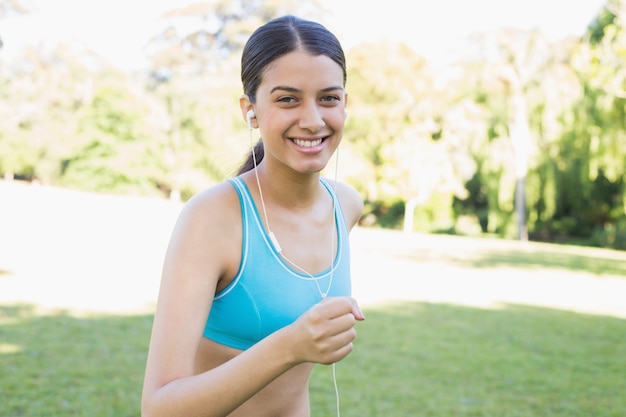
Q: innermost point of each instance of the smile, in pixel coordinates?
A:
(307, 143)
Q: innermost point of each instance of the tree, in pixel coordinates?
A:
(113, 150)
(603, 50)
(598, 132)
(44, 90)
(195, 38)
(517, 71)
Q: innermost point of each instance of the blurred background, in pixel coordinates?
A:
(485, 118)
(493, 131)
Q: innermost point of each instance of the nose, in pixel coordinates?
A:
(311, 119)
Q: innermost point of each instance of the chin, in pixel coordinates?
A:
(311, 169)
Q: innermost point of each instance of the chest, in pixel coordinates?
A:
(268, 294)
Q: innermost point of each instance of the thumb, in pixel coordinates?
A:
(356, 310)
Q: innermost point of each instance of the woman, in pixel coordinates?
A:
(256, 286)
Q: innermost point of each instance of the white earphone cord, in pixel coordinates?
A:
(332, 252)
(332, 257)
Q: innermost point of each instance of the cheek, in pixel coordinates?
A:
(338, 121)
(271, 121)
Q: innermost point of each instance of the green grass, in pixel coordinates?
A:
(418, 359)
(410, 359)
(59, 365)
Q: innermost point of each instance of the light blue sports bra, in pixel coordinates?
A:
(267, 294)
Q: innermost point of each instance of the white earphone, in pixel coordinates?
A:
(249, 116)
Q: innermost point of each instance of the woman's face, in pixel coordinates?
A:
(300, 110)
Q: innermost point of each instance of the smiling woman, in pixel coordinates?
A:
(241, 319)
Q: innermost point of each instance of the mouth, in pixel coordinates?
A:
(308, 143)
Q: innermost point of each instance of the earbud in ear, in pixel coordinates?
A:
(249, 116)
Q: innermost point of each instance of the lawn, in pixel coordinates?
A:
(420, 359)
(454, 327)
(410, 359)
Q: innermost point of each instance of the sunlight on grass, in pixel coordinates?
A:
(6, 348)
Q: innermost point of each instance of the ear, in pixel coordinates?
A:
(246, 105)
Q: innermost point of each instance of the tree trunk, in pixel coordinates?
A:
(520, 137)
(409, 210)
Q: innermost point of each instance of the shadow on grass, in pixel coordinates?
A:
(409, 359)
(535, 258)
(549, 259)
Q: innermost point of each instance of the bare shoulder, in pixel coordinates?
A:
(212, 205)
(208, 225)
(351, 201)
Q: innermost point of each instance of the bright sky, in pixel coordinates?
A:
(118, 28)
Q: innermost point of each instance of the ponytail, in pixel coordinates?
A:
(248, 164)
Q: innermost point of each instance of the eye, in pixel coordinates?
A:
(331, 98)
(286, 100)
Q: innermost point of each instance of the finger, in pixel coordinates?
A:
(340, 331)
(341, 346)
(335, 306)
(356, 310)
(337, 326)
(341, 305)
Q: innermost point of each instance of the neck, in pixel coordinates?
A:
(289, 189)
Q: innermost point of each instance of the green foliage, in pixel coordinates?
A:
(437, 216)
(381, 101)
(113, 154)
(477, 202)
(597, 27)
(610, 236)
(414, 133)
(387, 214)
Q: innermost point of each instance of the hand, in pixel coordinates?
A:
(324, 334)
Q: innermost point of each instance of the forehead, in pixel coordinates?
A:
(302, 70)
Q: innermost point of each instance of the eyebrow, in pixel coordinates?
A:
(295, 90)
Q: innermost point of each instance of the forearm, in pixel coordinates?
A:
(221, 390)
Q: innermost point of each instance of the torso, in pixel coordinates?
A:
(286, 396)
(268, 293)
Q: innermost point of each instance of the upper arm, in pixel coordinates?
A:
(198, 255)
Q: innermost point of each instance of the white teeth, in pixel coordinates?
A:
(307, 143)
